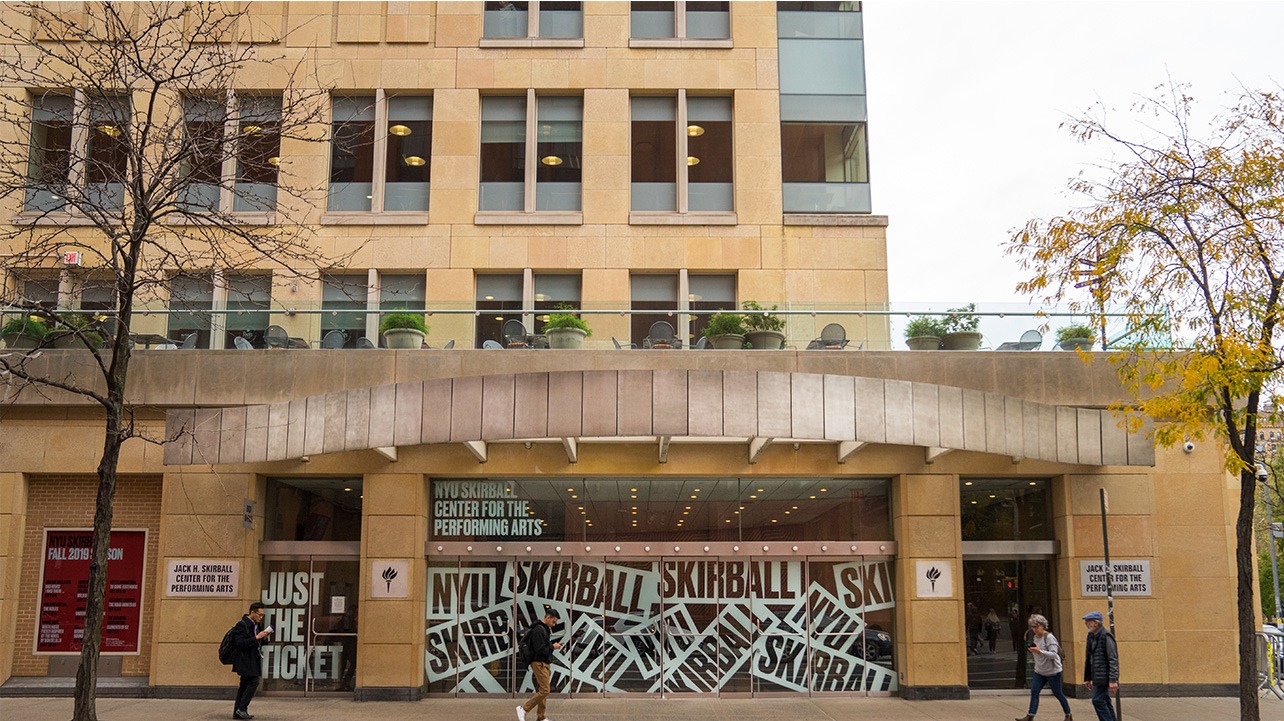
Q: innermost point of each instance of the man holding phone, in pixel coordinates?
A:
(247, 659)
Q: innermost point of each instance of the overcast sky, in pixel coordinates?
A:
(965, 99)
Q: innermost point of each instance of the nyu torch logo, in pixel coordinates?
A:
(932, 574)
(389, 574)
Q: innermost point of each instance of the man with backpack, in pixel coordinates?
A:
(240, 649)
(536, 648)
(1100, 665)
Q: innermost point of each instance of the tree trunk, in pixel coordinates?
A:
(87, 673)
(1245, 582)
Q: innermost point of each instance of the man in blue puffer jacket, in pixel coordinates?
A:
(1101, 666)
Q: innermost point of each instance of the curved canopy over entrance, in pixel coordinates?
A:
(660, 406)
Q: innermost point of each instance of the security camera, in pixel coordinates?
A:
(1262, 473)
(1188, 446)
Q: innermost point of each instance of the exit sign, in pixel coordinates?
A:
(71, 257)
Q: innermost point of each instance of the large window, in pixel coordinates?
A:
(553, 292)
(258, 153)
(653, 299)
(1005, 510)
(191, 304)
(709, 293)
(676, 20)
(380, 153)
(248, 300)
(824, 156)
(682, 154)
(204, 123)
(518, 175)
(547, 19)
(60, 160)
(312, 509)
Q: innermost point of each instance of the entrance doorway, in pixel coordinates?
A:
(671, 626)
(312, 608)
(1000, 594)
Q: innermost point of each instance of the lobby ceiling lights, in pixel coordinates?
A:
(109, 130)
(551, 160)
(692, 160)
(415, 161)
(251, 129)
(399, 130)
(274, 161)
(694, 131)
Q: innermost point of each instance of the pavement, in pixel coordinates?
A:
(979, 708)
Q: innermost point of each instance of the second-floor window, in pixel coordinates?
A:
(536, 19)
(531, 153)
(682, 154)
(258, 153)
(87, 168)
(380, 153)
(677, 20)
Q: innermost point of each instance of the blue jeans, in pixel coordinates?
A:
(1101, 702)
(1054, 683)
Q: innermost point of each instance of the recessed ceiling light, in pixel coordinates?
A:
(693, 496)
(415, 161)
(399, 130)
(967, 483)
(551, 160)
(490, 297)
(692, 160)
(109, 130)
(694, 131)
(251, 129)
(347, 489)
(274, 161)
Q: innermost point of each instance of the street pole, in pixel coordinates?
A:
(1110, 588)
(1270, 534)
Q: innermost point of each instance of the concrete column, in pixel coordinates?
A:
(930, 638)
(202, 519)
(13, 520)
(390, 650)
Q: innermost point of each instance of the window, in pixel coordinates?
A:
(248, 300)
(553, 292)
(824, 155)
(204, 120)
(499, 298)
(258, 153)
(1005, 510)
(654, 299)
(697, 129)
(191, 303)
(365, 176)
(677, 20)
(312, 509)
(512, 167)
(709, 293)
(550, 20)
(401, 292)
(61, 159)
(341, 295)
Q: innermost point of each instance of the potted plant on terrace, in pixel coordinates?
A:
(924, 332)
(24, 333)
(763, 330)
(1076, 337)
(726, 331)
(66, 336)
(565, 329)
(403, 330)
(960, 329)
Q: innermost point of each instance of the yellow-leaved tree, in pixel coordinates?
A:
(1186, 229)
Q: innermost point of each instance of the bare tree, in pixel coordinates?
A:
(1191, 221)
(131, 140)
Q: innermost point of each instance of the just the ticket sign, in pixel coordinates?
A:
(64, 591)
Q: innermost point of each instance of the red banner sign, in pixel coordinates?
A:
(64, 591)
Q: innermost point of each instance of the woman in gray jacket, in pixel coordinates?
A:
(1047, 667)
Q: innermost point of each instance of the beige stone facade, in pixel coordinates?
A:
(605, 417)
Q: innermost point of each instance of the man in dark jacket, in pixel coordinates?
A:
(247, 661)
(1100, 666)
(542, 645)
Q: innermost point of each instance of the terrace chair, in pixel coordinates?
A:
(449, 344)
(1030, 340)
(832, 337)
(242, 343)
(189, 342)
(701, 344)
(334, 339)
(514, 332)
(662, 335)
(492, 345)
(365, 343)
(276, 337)
(622, 346)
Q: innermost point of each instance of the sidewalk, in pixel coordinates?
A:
(989, 708)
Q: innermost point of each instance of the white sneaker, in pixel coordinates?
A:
(521, 714)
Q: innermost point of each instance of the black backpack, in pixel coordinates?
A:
(525, 649)
(227, 646)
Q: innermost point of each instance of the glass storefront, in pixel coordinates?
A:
(669, 625)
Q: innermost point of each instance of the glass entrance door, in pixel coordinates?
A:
(311, 604)
(1000, 595)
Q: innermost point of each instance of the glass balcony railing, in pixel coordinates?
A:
(814, 326)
